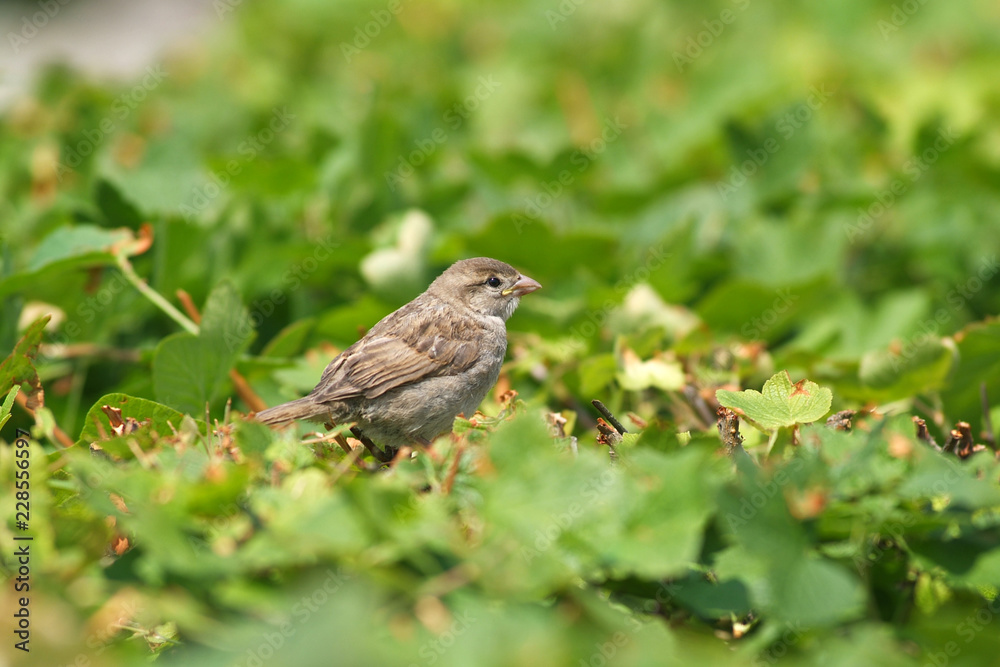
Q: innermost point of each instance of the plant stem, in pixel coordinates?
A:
(770, 443)
(126, 268)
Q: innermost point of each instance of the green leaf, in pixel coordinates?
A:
(116, 209)
(596, 372)
(978, 363)
(162, 419)
(887, 375)
(82, 244)
(813, 592)
(225, 323)
(190, 371)
(69, 248)
(290, 340)
(8, 403)
(662, 530)
(19, 368)
(753, 310)
(781, 403)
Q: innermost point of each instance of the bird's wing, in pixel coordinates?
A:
(419, 345)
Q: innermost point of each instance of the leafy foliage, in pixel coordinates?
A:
(717, 198)
(780, 403)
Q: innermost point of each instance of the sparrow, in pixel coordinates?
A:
(422, 365)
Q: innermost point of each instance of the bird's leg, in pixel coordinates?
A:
(379, 455)
(425, 446)
(402, 454)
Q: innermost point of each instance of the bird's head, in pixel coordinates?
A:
(485, 285)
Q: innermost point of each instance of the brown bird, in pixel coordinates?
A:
(436, 357)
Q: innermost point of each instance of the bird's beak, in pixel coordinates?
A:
(524, 285)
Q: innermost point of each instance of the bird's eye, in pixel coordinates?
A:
(493, 281)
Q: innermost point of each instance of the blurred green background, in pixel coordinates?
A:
(731, 188)
(819, 161)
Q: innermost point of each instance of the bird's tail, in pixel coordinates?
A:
(302, 408)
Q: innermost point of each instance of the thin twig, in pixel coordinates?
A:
(729, 430)
(700, 406)
(373, 449)
(608, 416)
(342, 441)
(177, 316)
(338, 438)
(88, 350)
(960, 441)
(841, 421)
(607, 435)
(140, 455)
(245, 392)
(189, 306)
(321, 439)
(935, 414)
(450, 580)
(924, 434)
(59, 434)
(449, 480)
(342, 467)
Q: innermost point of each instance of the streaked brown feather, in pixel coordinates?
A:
(416, 345)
